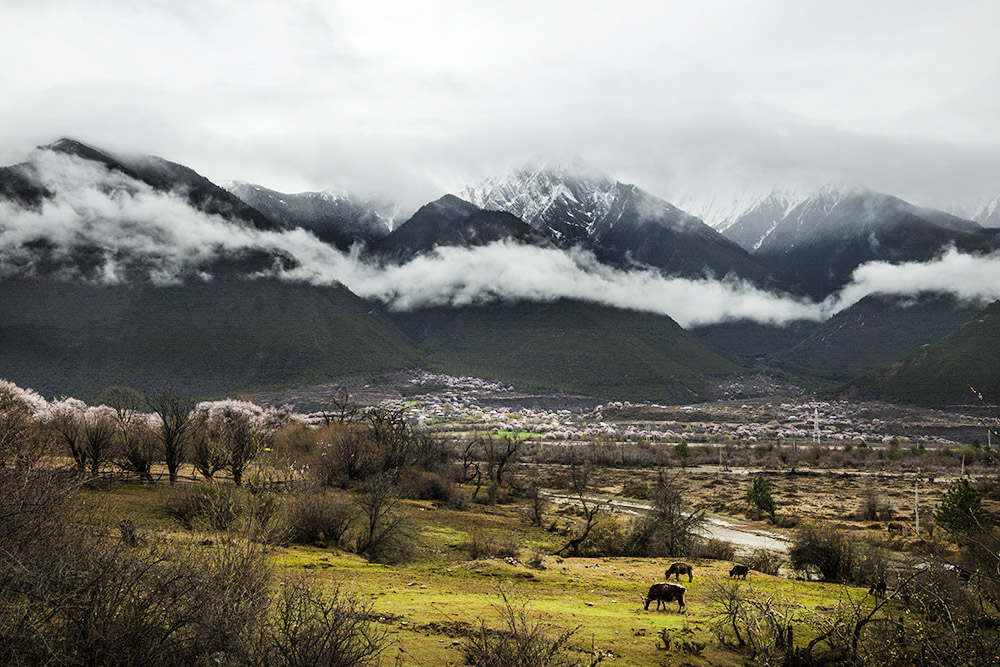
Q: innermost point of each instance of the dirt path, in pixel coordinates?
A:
(745, 539)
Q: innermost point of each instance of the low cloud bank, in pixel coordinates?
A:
(106, 228)
(510, 272)
(973, 278)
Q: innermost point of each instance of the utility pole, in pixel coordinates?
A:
(916, 500)
(816, 425)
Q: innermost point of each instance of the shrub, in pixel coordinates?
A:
(634, 488)
(459, 498)
(611, 535)
(759, 496)
(961, 511)
(874, 508)
(315, 516)
(216, 505)
(484, 544)
(264, 518)
(712, 549)
(824, 549)
(310, 627)
(426, 485)
(766, 561)
(521, 640)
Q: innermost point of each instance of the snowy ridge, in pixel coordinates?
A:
(747, 218)
(335, 215)
(988, 213)
(722, 211)
(566, 200)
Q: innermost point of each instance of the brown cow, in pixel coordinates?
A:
(677, 569)
(664, 593)
(739, 571)
(895, 528)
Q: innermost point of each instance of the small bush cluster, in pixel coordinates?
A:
(837, 556)
(765, 561)
(483, 544)
(207, 505)
(521, 639)
(712, 549)
(319, 517)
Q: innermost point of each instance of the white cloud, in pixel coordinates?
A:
(974, 278)
(126, 228)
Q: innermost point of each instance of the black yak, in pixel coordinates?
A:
(678, 569)
(664, 593)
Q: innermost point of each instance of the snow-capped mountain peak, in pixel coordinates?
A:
(564, 199)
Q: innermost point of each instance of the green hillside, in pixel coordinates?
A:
(873, 332)
(941, 373)
(222, 336)
(566, 346)
(743, 341)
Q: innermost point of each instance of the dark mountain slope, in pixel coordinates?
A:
(168, 176)
(642, 228)
(941, 373)
(224, 336)
(566, 346)
(450, 221)
(744, 341)
(873, 332)
(821, 241)
(334, 217)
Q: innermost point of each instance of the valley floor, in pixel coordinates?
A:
(428, 606)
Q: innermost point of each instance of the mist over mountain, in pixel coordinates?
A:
(745, 218)
(576, 204)
(334, 216)
(83, 226)
(450, 221)
(820, 243)
(986, 212)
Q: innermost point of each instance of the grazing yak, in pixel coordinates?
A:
(895, 528)
(877, 589)
(739, 571)
(664, 593)
(677, 569)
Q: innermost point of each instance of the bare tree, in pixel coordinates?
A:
(245, 437)
(580, 483)
(502, 454)
(383, 535)
(136, 446)
(65, 419)
(342, 408)
(537, 505)
(208, 452)
(671, 526)
(177, 423)
(99, 428)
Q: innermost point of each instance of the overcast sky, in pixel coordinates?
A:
(417, 98)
